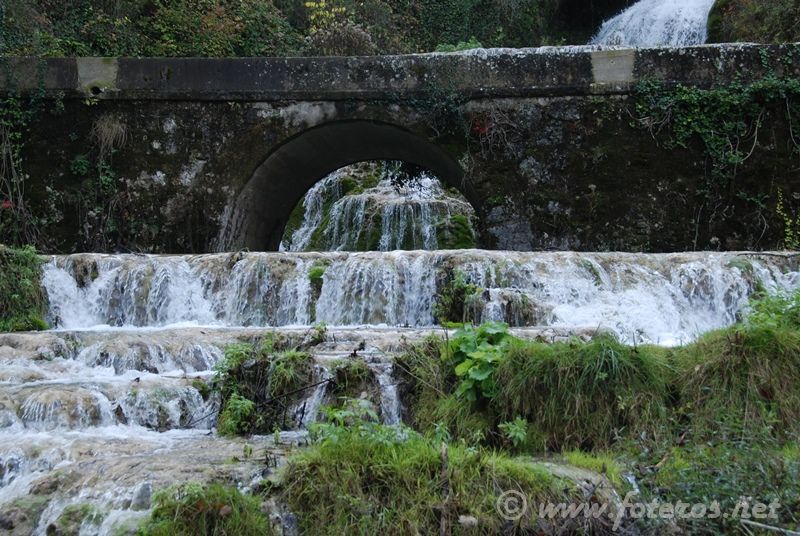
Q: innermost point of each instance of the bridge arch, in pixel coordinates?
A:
(263, 207)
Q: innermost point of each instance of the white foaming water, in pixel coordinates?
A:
(652, 23)
(402, 217)
(313, 205)
(663, 299)
(94, 417)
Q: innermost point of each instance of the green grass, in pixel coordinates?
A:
(372, 479)
(583, 395)
(572, 394)
(215, 510)
(742, 380)
(23, 302)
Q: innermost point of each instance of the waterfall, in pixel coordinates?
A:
(652, 23)
(664, 299)
(347, 211)
(116, 396)
(313, 211)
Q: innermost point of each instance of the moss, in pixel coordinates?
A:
(74, 516)
(315, 274)
(202, 387)
(455, 233)
(214, 509)
(22, 300)
(295, 221)
(602, 463)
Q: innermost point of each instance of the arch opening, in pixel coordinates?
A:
(259, 216)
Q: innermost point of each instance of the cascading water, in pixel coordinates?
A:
(348, 211)
(112, 398)
(664, 299)
(652, 23)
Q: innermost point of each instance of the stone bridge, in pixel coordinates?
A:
(213, 154)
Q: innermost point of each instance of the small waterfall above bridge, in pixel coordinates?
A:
(652, 23)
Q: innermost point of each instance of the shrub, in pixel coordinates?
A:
(258, 384)
(726, 474)
(22, 300)
(754, 22)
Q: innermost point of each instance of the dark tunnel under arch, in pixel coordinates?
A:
(265, 203)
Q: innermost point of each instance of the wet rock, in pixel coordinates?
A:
(141, 497)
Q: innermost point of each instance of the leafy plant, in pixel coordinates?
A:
(22, 300)
(726, 120)
(475, 354)
(80, 165)
(236, 416)
(791, 224)
(515, 432)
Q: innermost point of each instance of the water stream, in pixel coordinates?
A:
(653, 23)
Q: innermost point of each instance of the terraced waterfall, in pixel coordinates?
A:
(109, 401)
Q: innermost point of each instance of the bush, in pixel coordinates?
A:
(23, 303)
(194, 510)
(258, 384)
(146, 28)
(742, 381)
(754, 22)
(727, 473)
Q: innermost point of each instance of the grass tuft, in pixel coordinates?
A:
(192, 510)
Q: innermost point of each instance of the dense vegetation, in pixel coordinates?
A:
(22, 300)
(775, 21)
(264, 27)
(219, 28)
(713, 419)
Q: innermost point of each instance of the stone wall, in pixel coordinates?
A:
(217, 152)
